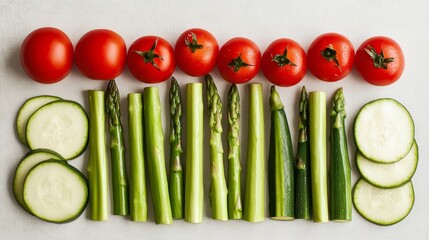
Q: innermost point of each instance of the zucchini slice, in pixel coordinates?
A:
(27, 109)
(30, 160)
(384, 130)
(389, 175)
(61, 126)
(383, 206)
(55, 191)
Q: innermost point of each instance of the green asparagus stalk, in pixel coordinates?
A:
(194, 191)
(254, 195)
(218, 189)
(138, 200)
(234, 166)
(154, 139)
(319, 181)
(302, 163)
(280, 163)
(339, 172)
(176, 178)
(117, 150)
(97, 166)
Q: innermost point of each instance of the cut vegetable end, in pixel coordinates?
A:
(26, 110)
(383, 206)
(55, 191)
(384, 130)
(61, 126)
(30, 160)
(389, 175)
(283, 218)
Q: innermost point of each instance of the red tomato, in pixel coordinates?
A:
(196, 52)
(284, 62)
(380, 61)
(151, 59)
(47, 55)
(239, 60)
(330, 57)
(100, 54)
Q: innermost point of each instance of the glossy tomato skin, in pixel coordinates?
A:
(100, 54)
(237, 49)
(380, 76)
(330, 70)
(284, 62)
(196, 52)
(47, 55)
(155, 70)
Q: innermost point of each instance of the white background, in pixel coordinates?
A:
(261, 21)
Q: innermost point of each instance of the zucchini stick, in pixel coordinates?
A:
(117, 150)
(97, 166)
(319, 181)
(339, 172)
(154, 139)
(280, 163)
(254, 195)
(234, 166)
(218, 189)
(194, 187)
(302, 162)
(176, 178)
(138, 199)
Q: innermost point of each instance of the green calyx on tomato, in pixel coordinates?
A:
(378, 59)
(192, 44)
(330, 54)
(282, 60)
(238, 63)
(150, 55)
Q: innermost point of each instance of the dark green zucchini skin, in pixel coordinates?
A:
(280, 163)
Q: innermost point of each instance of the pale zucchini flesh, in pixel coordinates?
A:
(27, 109)
(391, 174)
(55, 191)
(61, 126)
(384, 130)
(30, 160)
(383, 206)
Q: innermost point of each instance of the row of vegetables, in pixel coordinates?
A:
(58, 130)
(47, 56)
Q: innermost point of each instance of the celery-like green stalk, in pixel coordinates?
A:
(319, 178)
(254, 195)
(194, 189)
(138, 199)
(218, 189)
(97, 166)
(154, 139)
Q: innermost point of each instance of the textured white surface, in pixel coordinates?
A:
(261, 21)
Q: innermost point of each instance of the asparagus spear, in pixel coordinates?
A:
(218, 190)
(302, 163)
(97, 166)
(194, 189)
(280, 163)
(319, 181)
(138, 201)
(234, 166)
(339, 174)
(117, 150)
(154, 138)
(254, 195)
(176, 179)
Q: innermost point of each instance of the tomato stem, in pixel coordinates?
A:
(192, 44)
(150, 55)
(378, 59)
(282, 60)
(330, 54)
(237, 63)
